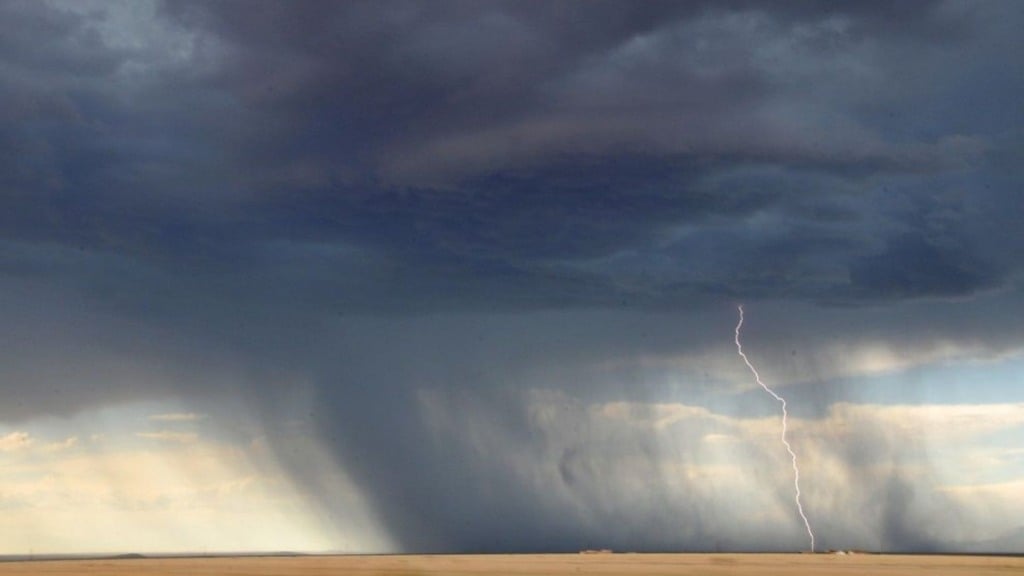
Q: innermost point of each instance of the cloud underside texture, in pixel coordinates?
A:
(394, 205)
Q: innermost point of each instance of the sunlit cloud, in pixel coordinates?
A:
(178, 417)
(15, 441)
(170, 436)
(173, 491)
(674, 456)
(940, 422)
(65, 444)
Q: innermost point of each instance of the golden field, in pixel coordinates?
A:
(533, 564)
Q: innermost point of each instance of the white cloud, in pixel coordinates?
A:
(935, 421)
(177, 417)
(170, 436)
(65, 444)
(15, 441)
(879, 357)
(659, 415)
(1010, 491)
(204, 493)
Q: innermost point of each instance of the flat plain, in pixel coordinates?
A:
(532, 564)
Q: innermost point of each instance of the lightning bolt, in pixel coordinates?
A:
(785, 415)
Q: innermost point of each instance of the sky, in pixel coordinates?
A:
(464, 276)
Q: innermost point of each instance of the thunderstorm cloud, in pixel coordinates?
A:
(462, 276)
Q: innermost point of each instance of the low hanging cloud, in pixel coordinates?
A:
(671, 472)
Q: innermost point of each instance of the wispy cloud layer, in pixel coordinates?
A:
(178, 417)
(170, 436)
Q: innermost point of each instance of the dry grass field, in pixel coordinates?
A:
(547, 565)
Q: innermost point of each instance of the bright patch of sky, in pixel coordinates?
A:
(148, 478)
(977, 381)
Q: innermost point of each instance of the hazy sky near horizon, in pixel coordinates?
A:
(463, 276)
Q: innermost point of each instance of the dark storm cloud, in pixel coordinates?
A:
(408, 94)
(910, 266)
(437, 207)
(468, 141)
